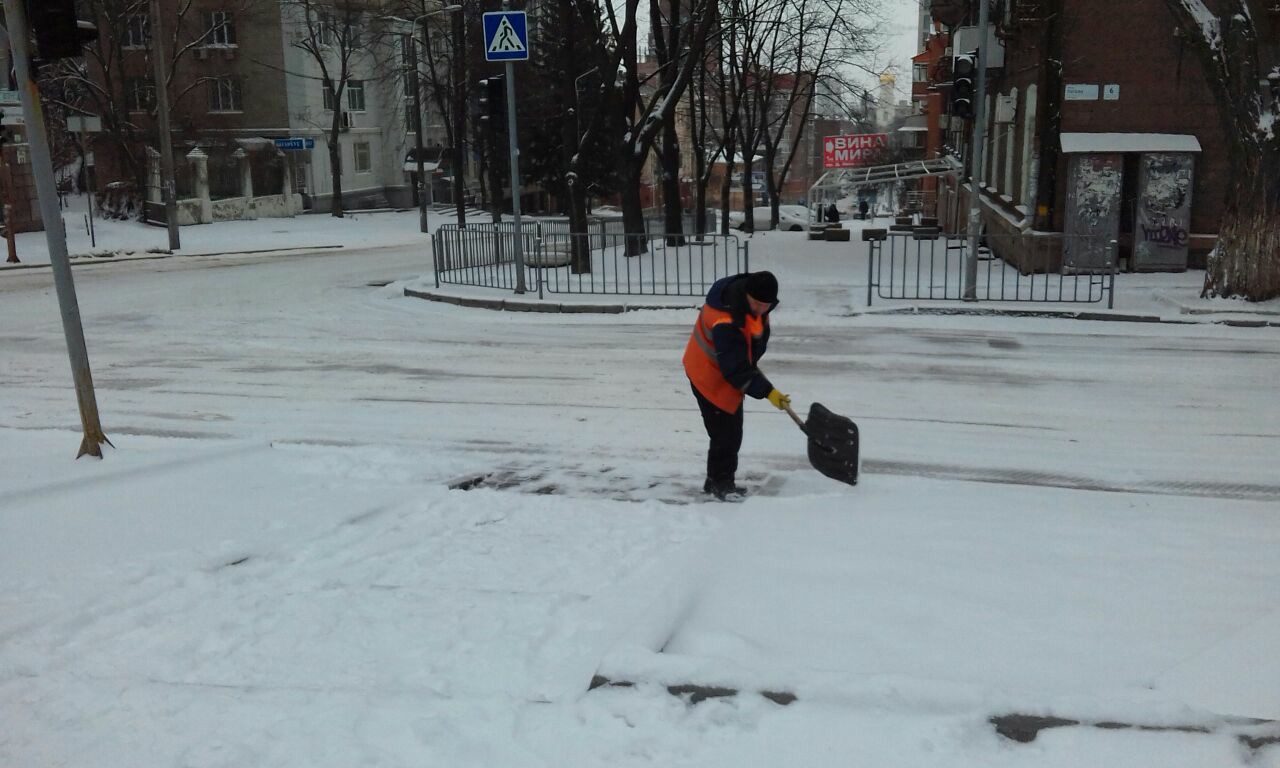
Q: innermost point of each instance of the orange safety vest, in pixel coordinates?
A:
(700, 357)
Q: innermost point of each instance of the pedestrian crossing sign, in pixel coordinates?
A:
(506, 36)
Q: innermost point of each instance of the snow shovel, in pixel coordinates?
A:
(833, 443)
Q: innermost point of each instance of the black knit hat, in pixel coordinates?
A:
(762, 286)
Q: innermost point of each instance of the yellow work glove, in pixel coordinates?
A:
(779, 400)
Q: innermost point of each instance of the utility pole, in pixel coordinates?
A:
(979, 142)
(55, 234)
(6, 175)
(420, 121)
(459, 117)
(162, 121)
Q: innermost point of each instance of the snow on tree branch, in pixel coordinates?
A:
(1210, 29)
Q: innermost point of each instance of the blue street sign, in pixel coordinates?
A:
(295, 143)
(506, 36)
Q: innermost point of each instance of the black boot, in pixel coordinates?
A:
(724, 490)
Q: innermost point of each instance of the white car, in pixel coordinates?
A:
(791, 218)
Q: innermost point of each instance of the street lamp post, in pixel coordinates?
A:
(420, 121)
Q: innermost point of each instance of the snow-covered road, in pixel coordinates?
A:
(270, 569)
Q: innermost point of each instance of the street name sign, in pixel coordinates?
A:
(295, 143)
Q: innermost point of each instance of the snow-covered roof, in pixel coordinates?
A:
(1129, 142)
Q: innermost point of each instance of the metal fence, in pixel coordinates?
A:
(923, 264)
(483, 255)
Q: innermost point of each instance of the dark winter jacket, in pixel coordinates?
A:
(730, 295)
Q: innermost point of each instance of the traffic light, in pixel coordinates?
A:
(491, 98)
(964, 68)
(59, 33)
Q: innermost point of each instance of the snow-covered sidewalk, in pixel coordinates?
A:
(345, 527)
(120, 240)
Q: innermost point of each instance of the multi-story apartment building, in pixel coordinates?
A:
(242, 78)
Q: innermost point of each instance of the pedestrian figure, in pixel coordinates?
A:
(506, 39)
(833, 215)
(863, 207)
(721, 358)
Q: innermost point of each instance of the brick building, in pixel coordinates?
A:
(1124, 143)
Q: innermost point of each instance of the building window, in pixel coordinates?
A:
(355, 95)
(324, 27)
(410, 119)
(139, 94)
(406, 59)
(920, 73)
(137, 31)
(224, 95)
(220, 28)
(330, 103)
(360, 157)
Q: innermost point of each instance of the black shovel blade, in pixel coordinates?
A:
(833, 444)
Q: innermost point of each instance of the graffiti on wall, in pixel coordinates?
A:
(1164, 209)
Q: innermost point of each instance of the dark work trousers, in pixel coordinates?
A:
(725, 431)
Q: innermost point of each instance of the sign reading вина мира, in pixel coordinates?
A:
(854, 151)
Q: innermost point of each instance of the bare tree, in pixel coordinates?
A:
(443, 73)
(647, 113)
(713, 125)
(822, 39)
(1242, 68)
(782, 51)
(332, 34)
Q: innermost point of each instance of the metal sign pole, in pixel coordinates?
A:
(979, 142)
(55, 234)
(503, 42)
(515, 174)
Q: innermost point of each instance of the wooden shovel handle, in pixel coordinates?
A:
(799, 422)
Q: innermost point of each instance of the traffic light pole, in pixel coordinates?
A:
(979, 143)
(55, 234)
(162, 121)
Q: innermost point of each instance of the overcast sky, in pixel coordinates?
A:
(902, 19)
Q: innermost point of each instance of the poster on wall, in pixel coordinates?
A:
(1093, 211)
(1163, 218)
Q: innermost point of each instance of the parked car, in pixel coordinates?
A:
(791, 218)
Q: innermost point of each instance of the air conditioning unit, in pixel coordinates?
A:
(202, 54)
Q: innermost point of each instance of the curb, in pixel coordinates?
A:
(507, 305)
(82, 260)
(1065, 315)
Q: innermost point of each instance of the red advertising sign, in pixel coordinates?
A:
(854, 151)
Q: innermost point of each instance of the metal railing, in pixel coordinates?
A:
(685, 266)
(922, 264)
(483, 256)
